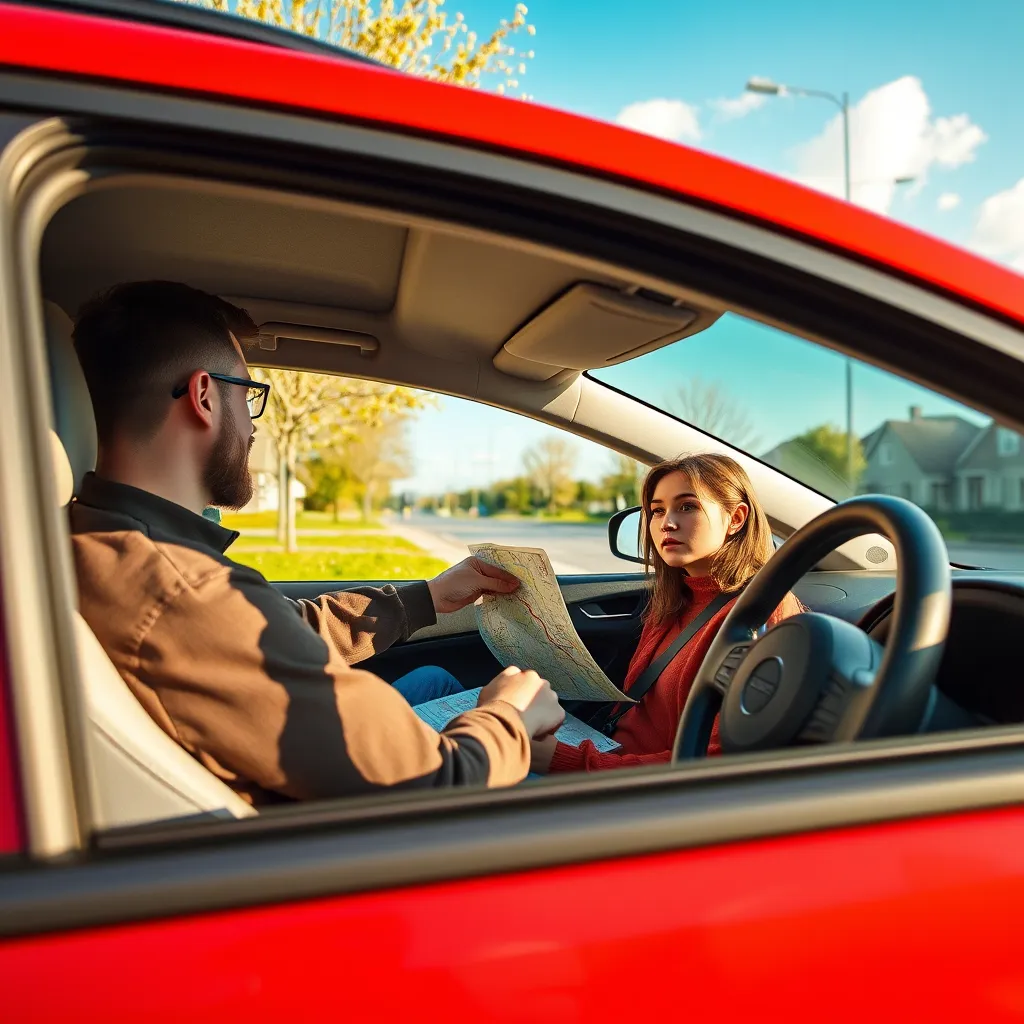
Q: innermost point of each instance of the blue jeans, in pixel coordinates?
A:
(427, 683)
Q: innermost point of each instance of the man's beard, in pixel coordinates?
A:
(227, 477)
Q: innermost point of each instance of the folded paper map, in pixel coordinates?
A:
(438, 713)
(532, 629)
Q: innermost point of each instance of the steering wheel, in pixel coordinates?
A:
(814, 678)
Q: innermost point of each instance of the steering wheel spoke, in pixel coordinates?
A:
(727, 669)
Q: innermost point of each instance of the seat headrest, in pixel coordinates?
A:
(72, 407)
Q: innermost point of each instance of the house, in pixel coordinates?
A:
(990, 472)
(263, 468)
(919, 458)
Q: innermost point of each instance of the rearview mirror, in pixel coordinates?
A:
(624, 535)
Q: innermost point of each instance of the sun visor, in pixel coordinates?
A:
(591, 326)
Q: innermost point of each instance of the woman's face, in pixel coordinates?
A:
(688, 530)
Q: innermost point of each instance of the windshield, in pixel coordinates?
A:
(792, 404)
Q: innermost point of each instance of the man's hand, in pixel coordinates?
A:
(462, 584)
(531, 696)
(541, 752)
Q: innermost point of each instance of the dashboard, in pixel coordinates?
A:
(980, 672)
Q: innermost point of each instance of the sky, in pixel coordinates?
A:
(934, 97)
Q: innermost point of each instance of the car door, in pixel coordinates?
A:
(874, 879)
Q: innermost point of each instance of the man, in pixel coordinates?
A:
(256, 686)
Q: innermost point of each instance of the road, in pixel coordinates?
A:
(572, 547)
(583, 547)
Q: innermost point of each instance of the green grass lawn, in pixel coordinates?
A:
(303, 521)
(366, 542)
(330, 565)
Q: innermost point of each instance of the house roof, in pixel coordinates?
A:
(935, 443)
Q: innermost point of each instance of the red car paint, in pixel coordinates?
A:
(860, 925)
(163, 58)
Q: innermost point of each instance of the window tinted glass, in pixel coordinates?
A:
(400, 482)
(791, 403)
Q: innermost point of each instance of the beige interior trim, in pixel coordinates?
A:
(37, 581)
(591, 326)
(422, 345)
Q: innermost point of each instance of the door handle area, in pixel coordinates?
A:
(595, 612)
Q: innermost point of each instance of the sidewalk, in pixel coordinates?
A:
(438, 545)
(451, 549)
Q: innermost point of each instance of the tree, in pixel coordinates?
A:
(622, 485)
(327, 480)
(708, 406)
(827, 444)
(318, 410)
(549, 464)
(377, 455)
(415, 36)
(817, 458)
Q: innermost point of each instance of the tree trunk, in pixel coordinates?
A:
(292, 544)
(367, 501)
(283, 489)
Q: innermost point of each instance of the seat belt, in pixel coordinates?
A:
(652, 673)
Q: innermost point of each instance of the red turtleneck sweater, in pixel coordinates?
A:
(647, 731)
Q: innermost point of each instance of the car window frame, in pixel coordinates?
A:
(303, 850)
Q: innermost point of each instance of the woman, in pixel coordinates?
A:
(705, 535)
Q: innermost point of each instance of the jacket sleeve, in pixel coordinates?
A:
(364, 621)
(587, 758)
(258, 696)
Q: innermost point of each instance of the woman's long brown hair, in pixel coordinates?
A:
(724, 481)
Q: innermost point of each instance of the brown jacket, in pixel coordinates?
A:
(256, 686)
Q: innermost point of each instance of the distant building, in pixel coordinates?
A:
(990, 472)
(917, 458)
(263, 468)
(942, 463)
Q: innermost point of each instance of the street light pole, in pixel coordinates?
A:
(847, 191)
(769, 88)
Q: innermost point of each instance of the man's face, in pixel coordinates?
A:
(226, 475)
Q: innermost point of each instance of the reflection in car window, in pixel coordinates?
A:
(784, 400)
(401, 483)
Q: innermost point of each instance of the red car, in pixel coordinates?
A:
(863, 859)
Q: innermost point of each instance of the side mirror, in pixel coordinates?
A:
(624, 535)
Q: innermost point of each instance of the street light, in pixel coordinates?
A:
(766, 87)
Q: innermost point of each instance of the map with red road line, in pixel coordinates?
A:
(531, 628)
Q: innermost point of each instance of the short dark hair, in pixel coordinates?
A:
(138, 341)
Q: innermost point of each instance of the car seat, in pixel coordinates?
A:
(137, 773)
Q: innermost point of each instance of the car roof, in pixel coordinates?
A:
(51, 40)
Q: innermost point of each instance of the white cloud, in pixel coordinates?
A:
(742, 105)
(999, 230)
(948, 201)
(892, 135)
(667, 119)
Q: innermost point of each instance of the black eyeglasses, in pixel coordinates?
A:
(255, 399)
